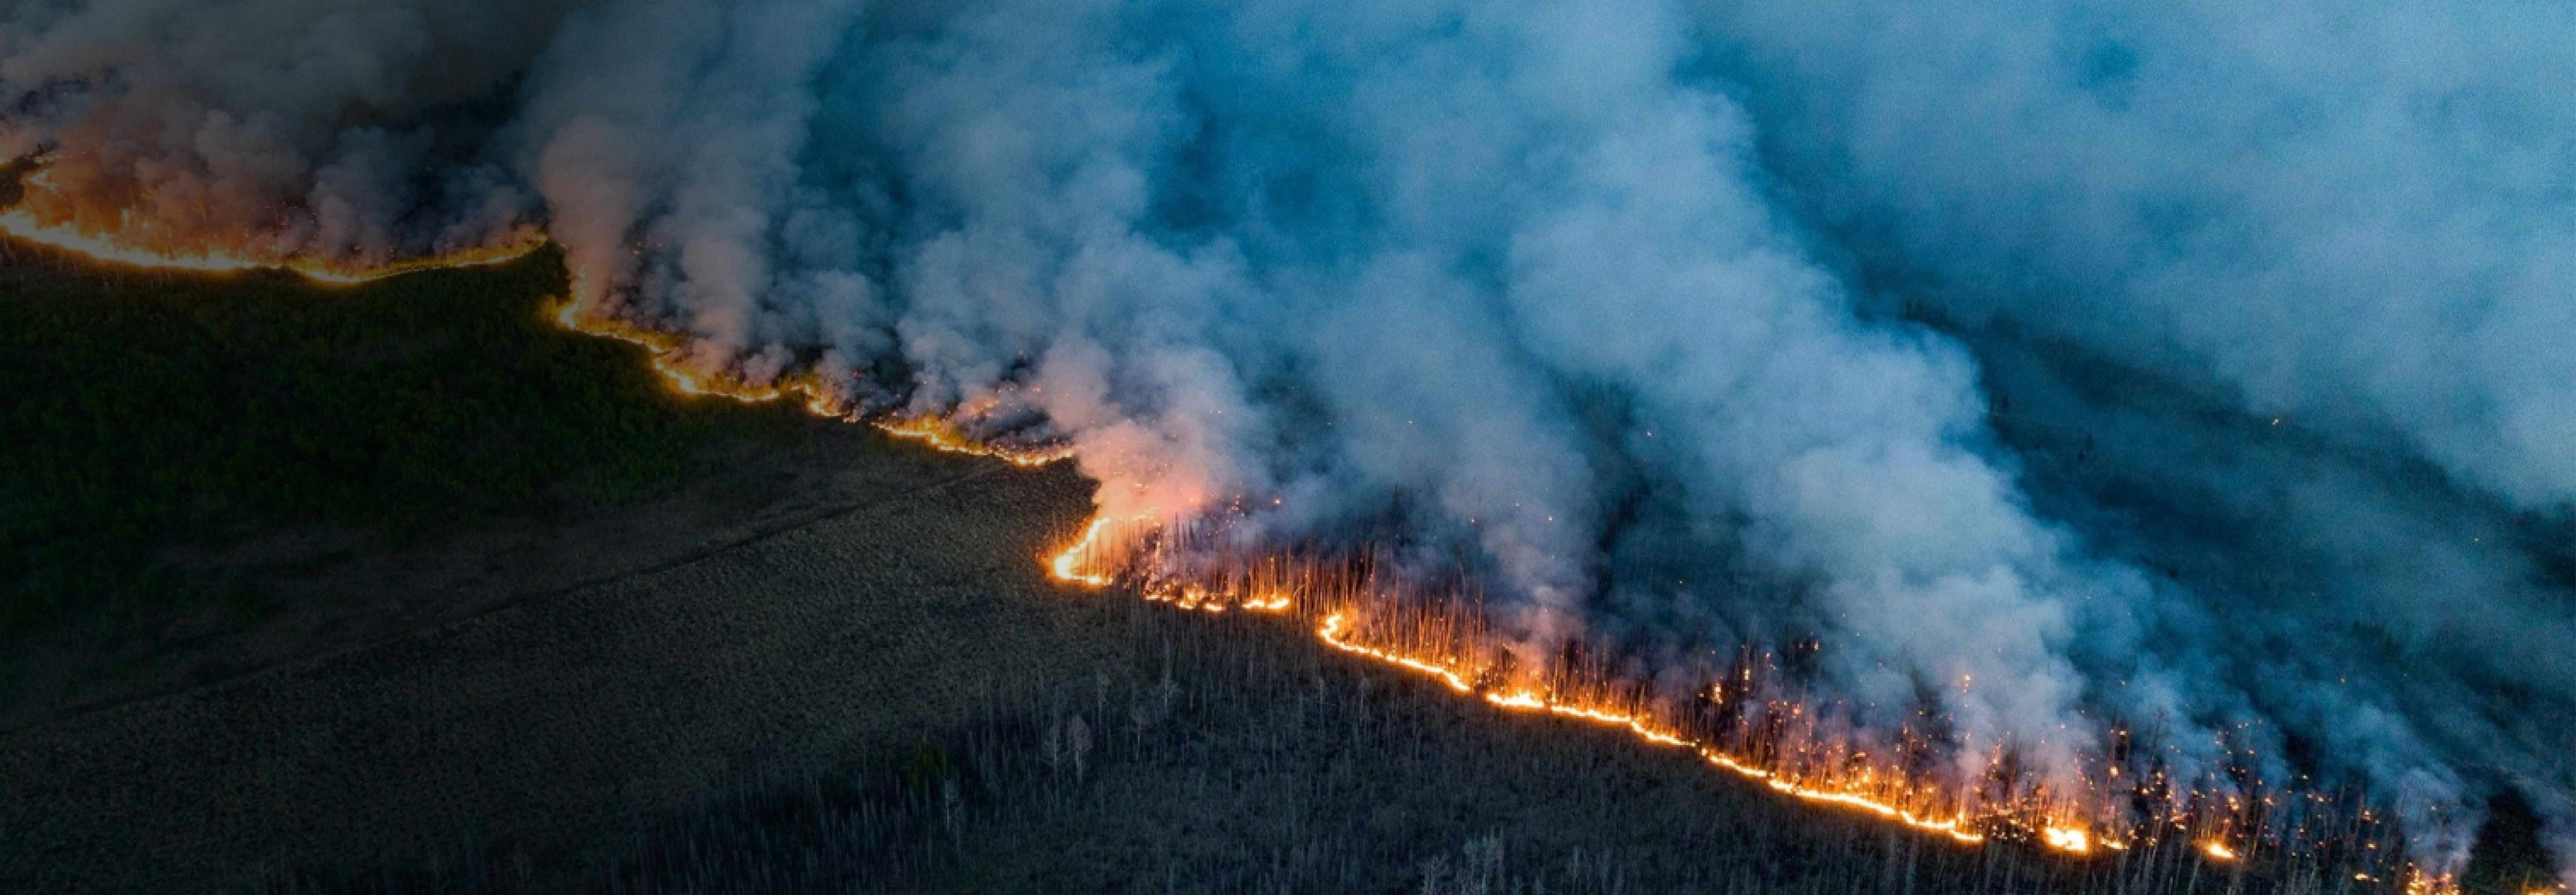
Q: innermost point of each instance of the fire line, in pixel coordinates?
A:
(1084, 563)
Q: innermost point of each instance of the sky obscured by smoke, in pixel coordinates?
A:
(2047, 362)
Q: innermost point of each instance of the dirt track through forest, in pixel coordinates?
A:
(558, 719)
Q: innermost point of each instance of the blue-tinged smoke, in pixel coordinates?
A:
(1950, 334)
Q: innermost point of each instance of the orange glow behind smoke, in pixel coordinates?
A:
(1816, 769)
(941, 435)
(664, 351)
(24, 226)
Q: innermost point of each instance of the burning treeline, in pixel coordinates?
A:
(36, 209)
(1652, 280)
(1751, 712)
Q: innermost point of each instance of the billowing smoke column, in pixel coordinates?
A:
(2338, 239)
(2186, 364)
(293, 130)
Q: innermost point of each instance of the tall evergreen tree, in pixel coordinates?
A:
(2508, 857)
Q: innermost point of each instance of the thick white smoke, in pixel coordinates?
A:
(1614, 296)
(2356, 222)
(2355, 218)
(277, 129)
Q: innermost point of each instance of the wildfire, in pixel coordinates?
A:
(1824, 772)
(1331, 632)
(1528, 702)
(941, 435)
(1355, 611)
(24, 226)
(665, 352)
(1334, 632)
(1070, 564)
(1950, 827)
(1108, 547)
(2067, 839)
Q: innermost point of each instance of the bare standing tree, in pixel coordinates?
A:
(1078, 735)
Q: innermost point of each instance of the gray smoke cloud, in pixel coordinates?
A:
(2357, 219)
(2352, 223)
(276, 130)
(1951, 335)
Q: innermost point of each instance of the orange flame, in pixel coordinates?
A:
(1811, 764)
(1334, 633)
(664, 351)
(2067, 839)
(1069, 565)
(942, 435)
(24, 226)
(1093, 562)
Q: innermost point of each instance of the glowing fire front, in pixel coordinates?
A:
(1785, 746)
(668, 356)
(1439, 641)
(1106, 551)
(25, 227)
(1076, 563)
(667, 352)
(1335, 631)
(1863, 792)
(1739, 724)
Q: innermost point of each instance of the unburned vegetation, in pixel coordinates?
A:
(155, 420)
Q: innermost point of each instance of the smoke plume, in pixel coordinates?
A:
(2187, 364)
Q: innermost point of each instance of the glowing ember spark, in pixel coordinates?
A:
(2218, 851)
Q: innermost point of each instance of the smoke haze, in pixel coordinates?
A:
(2181, 363)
